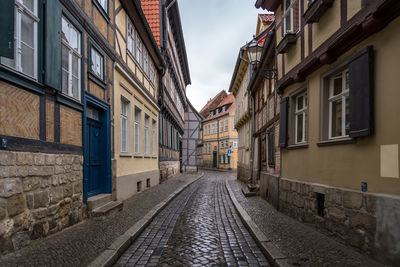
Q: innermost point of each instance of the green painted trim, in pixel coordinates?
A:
(65, 100)
(19, 80)
(103, 12)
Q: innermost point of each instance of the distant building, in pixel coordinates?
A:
(219, 139)
(191, 138)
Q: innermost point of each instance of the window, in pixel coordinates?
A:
(217, 111)
(222, 144)
(71, 60)
(263, 150)
(146, 134)
(235, 144)
(271, 147)
(227, 144)
(139, 186)
(131, 38)
(212, 128)
(226, 125)
(125, 122)
(222, 159)
(97, 62)
(223, 108)
(145, 61)
(103, 4)
(152, 72)
(339, 111)
(148, 182)
(25, 39)
(300, 118)
(154, 137)
(226, 159)
(138, 122)
(291, 16)
(221, 126)
(139, 51)
(233, 124)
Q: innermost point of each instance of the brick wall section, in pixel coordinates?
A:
(19, 112)
(40, 194)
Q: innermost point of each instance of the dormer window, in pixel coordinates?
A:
(217, 111)
(223, 108)
(291, 16)
(212, 113)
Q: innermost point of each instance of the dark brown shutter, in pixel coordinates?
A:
(7, 16)
(271, 147)
(283, 125)
(361, 82)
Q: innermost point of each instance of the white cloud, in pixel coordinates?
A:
(214, 31)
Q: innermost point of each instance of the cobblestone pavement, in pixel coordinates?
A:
(80, 244)
(303, 244)
(200, 227)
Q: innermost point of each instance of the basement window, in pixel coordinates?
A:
(139, 186)
(148, 182)
(320, 204)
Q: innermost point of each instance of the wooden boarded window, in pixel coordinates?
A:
(271, 147)
(283, 126)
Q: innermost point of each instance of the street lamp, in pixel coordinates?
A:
(254, 50)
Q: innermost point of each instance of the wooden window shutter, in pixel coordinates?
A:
(283, 126)
(271, 148)
(52, 46)
(361, 83)
(7, 17)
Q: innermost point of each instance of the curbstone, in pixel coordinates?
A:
(118, 247)
(271, 252)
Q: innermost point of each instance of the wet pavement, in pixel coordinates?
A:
(200, 227)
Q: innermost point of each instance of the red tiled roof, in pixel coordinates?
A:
(151, 10)
(229, 99)
(265, 18)
(206, 109)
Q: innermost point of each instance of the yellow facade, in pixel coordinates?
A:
(136, 155)
(212, 148)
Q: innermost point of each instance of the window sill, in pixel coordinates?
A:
(315, 11)
(20, 79)
(297, 146)
(147, 157)
(102, 11)
(338, 141)
(287, 41)
(69, 101)
(96, 80)
(154, 157)
(138, 156)
(125, 155)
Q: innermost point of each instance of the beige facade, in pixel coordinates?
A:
(340, 164)
(136, 113)
(238, 87)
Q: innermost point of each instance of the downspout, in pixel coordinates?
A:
(252, 137)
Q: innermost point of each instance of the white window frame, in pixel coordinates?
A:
(139, 50)
(221, 126)
(145, 61)
(98, 56)
(227, 144)
(154, 137)
(332, 98)
(131, 40)
(76, 52)
(20, 9)
(235, 144)
(146, 134)
(152, 71)
(288, 11)
(103, 4)
(233, 124)
(221, 157)
(299, 112)
(222, 144)
(226, 126)
(138, 129)
(126, 117)
(213, 128)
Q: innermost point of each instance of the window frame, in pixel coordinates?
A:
(297, 113)
(20, 9)
(154, 137)
(127, 118)
(333, 98)
(91, 71)
(290, 10)
(146, 134)
(137, 131)
(72, 51)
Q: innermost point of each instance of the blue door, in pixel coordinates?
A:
(96, 158)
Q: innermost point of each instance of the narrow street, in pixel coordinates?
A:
(200, 227)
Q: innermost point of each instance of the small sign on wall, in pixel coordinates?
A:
(390, 161)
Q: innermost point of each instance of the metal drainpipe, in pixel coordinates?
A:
(252, 138)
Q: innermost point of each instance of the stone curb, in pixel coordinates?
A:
(273, 254)
(118, 247)
(217, 170)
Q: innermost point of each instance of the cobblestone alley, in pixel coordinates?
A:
(199, 228)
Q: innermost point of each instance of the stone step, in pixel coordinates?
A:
(98, 201)
(106, 209)
(247, 193)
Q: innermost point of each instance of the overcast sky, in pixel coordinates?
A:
(214, 31)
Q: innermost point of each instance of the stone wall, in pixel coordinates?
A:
(269, 188)
(40, 194)
(367, 221)
(243, 174)
(168, 169)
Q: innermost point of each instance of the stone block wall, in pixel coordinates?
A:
(243, 174)
(40, 194)
(269, 188)
(168, 169)
(367, 221)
